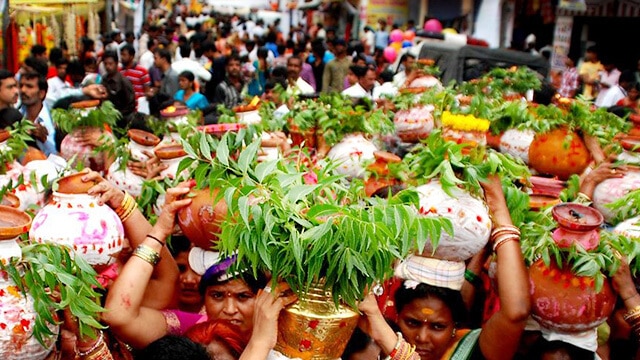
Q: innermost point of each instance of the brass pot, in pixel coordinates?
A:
(313, 328)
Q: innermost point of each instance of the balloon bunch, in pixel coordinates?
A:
(399, 40)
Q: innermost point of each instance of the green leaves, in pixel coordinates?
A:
(45, 269)
(69, 120)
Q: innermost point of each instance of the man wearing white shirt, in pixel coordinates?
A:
(619, 91)
(296, 85)
(57, 84)
(366, 82)
(408, 63)
(33, 90)
(609, 78)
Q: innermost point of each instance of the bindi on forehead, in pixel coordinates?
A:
(427, 311)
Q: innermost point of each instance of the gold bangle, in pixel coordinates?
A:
(127, 207)
(101, 353)
(583, 199)
(504, 239)
(128, 214)
(124, 204)
(95, 345)
(147, 254)
(631, 314)
(505, 228)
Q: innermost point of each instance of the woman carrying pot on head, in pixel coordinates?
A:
(228, 297)
(432, 318)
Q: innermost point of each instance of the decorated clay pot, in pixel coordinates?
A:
(538, 202)
(613, 189)
(125, 179)
(17, 315)
(141, 142)
(302, 137)
(469, 217)
(220, 129)
(313, 328)
(200, 221)
(414, 124)
(567, 303)
(10, 200)
(560, 153)
(425, 82)
(249, 117)
(32, 154)
(546, 186)
(631, 152)
(629, 228)
(517, 143)
(577, 224)
(170, 155)
(93, 231)
(351, 154)
(27, 194)
(380, 177)
(175, 115)
(472, 138)
(73, 146)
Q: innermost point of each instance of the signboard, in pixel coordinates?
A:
(573, 5)
(561, 41)
(393, 11)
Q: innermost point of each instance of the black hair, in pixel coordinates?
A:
(359, 341)
(281, 49)
(279, 71)
(262, 52)
(275, 80)
(61, 61)
(232, 57)
(38, 65)
(76, 68)
(172, 347)
(185, 51)
(387, 75)
(37, 50)
(164, 54)
(542, 347)
(451, 298)
(55, 54)
(179, 244)
(9, 116)
(294, 57)
(5, 74)
(42, 81)
(207, 46)
(189, 76)
(110, 54)
(129, 34)
(129, 49)
(627, 76)
(358, 70)
(254, 283)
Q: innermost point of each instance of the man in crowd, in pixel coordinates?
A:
(137, 74)
(570, 80)
(8, 89)
(119, 89)
(366, 82)
(228, 91)
(169, 77)
(336, 70)
(33, 90)
(296, 85)
(408, 63)
(58, 83)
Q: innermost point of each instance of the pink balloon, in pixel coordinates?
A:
(409, 35)
(390, 54)
(433, 25)
(396, 35)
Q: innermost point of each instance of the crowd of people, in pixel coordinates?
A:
(159, 307)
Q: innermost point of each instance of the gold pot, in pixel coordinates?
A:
(313, 328)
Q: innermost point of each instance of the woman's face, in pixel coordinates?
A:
(184, 83)
(188, 295)
(633, 94)
(232, 301)
(428, 324)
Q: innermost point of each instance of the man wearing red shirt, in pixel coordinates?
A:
(137, 74)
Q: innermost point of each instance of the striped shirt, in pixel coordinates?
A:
(139, 77)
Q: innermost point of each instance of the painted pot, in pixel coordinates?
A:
(175, 116)
(125, 179)
(313, 328)
(559, 153)
(516, 143)
(17, 313)
(631, 152)
(27, 194)
(469, 217)
(629, 228)
(93, 231)
(546, 186)
(249, 117)
(577, 224)
(567, 303)
(351, 154)
(200, 221)
(613, 189)
(170, 155)
(425, 82)
(72, 145)
(472, 138)
(414, 124)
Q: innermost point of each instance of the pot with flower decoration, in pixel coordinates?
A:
(466, 129)
(351, 154)
(415, 123)
(613, 189)
(559, 152)
(248, 114)
(18, 315)
(85, 125)
(424, 78)
(141, 142)
(561, 300)
(92, 230)
(175, 118)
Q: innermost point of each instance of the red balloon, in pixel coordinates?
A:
(433, 25)
(409, 35)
